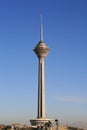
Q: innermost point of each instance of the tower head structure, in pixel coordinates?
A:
(41, 48)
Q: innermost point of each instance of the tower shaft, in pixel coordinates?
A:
(41, 89)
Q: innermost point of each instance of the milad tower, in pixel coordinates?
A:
(41, 50)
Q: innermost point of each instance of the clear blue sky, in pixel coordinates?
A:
(65, 32)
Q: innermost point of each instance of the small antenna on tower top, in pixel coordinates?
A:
(41, 28)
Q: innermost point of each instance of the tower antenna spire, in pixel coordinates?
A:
(41, 28)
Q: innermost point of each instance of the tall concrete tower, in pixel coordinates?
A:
(41, 50)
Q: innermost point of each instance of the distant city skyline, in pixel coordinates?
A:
(65, 32)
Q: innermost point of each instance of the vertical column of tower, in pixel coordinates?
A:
(41, 91)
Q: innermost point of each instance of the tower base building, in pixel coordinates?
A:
(40, 121)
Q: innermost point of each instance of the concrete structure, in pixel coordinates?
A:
(41, 50)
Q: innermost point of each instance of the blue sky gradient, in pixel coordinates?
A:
(65, 32)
